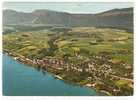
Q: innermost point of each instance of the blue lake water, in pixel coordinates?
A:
(23, 80)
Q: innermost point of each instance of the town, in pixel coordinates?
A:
(94, 71)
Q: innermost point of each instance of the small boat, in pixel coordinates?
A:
(57, 76)
(16, 58)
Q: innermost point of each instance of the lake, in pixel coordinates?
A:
(24, 80)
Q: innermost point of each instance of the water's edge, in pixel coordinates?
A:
(67, 89)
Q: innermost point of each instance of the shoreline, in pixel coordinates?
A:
(94, 85)
(15, 57)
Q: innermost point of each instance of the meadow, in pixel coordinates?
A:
(78, 45)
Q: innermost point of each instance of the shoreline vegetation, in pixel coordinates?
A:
(57, 65)
(98, 58)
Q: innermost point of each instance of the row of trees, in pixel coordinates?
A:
(52, 48)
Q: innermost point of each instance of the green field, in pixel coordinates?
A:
(79, 41)
(85, 40)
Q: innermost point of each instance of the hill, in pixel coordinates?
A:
(119, 18)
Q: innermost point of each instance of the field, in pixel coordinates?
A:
(87, 39)
(77, 45)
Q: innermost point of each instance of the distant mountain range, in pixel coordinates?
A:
(119, 18)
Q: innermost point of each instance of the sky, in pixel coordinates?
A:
(73, 7)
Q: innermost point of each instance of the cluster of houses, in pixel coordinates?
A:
(92, 66)
(89, 67)
(96, 66)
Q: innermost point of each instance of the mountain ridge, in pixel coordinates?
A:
(120, 18)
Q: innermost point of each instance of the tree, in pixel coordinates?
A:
(44, 52)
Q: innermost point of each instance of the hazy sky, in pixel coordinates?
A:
(65, 7)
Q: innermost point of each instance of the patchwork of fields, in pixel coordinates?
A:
(78, 45)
